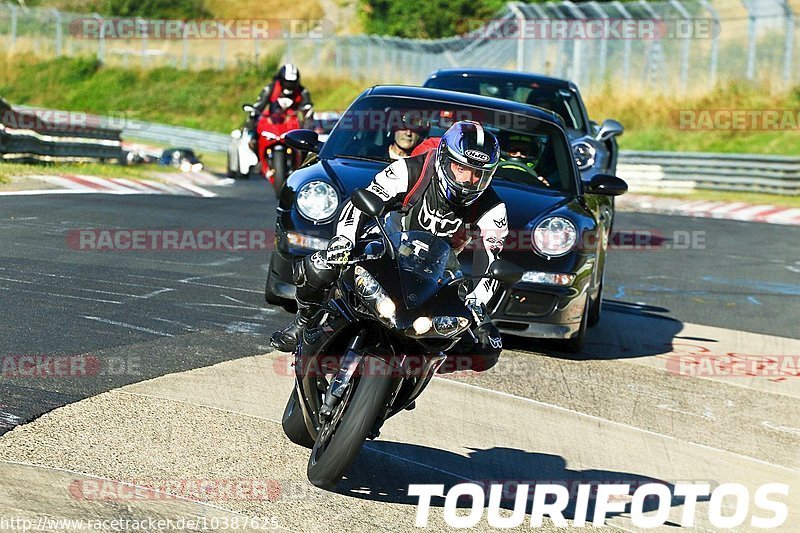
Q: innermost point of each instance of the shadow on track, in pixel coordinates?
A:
(384, 470)
(626, 331)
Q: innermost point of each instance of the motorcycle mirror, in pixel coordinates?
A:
(303, 140)
(368, 202)
(505, 271)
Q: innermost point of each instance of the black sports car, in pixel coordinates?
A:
(558, 223)
(595, 147)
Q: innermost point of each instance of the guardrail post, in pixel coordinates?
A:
(221, 46)
(686, 46)
(185, 47)
(714, 61)
(520, 35)
(788, 46)
(14, 9)
(752, 27)
(626, 51)
(101, 43)
(59, 36)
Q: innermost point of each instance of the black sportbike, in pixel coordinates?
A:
(370, 352)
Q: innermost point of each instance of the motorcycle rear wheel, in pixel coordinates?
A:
(341, 437)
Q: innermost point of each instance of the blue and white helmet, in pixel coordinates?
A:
(467, 144)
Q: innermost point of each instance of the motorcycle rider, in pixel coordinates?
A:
(444, 191)
(284, 92)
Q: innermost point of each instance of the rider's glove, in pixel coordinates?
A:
(285, 103)
(478, 311)
(338, 252)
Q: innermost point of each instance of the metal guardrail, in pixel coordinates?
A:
(176, 136)
(685, 171)
(644, 171)
(27, 134)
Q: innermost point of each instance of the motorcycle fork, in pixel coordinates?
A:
(341, 381)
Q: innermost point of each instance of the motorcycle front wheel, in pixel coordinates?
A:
(341, 437)
(294, 425)
(279, 165)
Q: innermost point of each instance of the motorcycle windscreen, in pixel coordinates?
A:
(424, 262)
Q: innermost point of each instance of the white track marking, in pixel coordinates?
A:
(128, 326)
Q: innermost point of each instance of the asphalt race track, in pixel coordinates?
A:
(184, 386)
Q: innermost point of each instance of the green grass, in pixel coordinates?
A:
(651, 122)
(747, 197)
(205, 99)
(8, 170)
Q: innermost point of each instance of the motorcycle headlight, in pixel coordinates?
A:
(447, 326)
(584, 154)
(368, 288)
(317, 201)
(554, 236)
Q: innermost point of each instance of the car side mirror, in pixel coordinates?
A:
(368, 202)
(607, 185)
(610, 128)
(304, 140)
(505, 271)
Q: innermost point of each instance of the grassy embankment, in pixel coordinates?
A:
(211, 100)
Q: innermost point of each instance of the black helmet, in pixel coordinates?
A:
(466, 144)
(289, 76)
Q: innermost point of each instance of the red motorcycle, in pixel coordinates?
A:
(278, 160)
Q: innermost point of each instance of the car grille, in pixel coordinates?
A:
(529, 304)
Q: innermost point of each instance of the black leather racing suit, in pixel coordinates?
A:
(410, 185)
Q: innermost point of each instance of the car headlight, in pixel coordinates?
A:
(584, 154)
(317, 201)
(368, 288)
(447, 326)
(554, 236)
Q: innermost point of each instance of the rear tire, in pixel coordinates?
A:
(331, 457)
(294, 425)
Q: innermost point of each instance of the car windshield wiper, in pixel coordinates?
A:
(362, 158)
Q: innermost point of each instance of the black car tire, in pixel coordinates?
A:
(575, 344)
(596, 308)
(327, 466)
(269, 296)
(294, 425)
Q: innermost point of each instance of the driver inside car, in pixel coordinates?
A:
(522, 155)
(446, 192)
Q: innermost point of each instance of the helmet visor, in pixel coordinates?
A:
(465, 177)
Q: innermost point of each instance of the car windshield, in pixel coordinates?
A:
(560, 100)
(533, 152)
